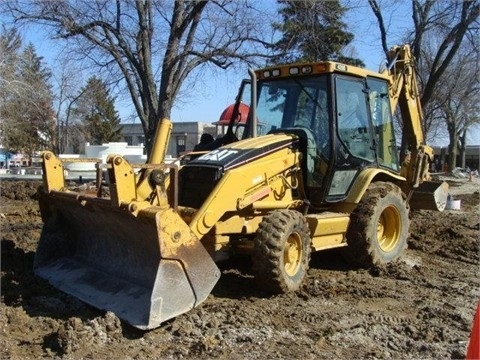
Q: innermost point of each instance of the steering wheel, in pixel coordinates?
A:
(311, 138)
(310, 134)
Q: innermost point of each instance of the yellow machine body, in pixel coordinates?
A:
(146, 248)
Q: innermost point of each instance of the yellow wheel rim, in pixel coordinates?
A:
(388, 228)
(292, 254)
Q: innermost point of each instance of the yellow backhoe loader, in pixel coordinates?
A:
(315, 167)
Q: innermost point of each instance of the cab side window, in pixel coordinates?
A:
(352, 118)
(387, 155)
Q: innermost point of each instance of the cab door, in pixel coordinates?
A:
(354, 141)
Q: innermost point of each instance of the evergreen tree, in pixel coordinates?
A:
(10, 86)
(26, 115)
(39, 116)
(96, 109)
(10, 46)
(312, 31)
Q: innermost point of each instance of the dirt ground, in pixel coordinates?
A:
(419, 307)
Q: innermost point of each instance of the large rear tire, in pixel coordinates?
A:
(282, 251)
(379, 226)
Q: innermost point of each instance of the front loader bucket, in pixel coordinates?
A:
(146, 268)
(430, 195)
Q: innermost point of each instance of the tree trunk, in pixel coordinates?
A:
(452, 148)
(463, 145)
(153, 118)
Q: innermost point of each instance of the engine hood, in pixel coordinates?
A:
(245, 151)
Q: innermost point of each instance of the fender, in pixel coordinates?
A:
(365, 178)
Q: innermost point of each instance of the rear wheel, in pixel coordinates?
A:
(379, 226)
(282, 251)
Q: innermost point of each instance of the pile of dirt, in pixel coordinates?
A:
(419, 307)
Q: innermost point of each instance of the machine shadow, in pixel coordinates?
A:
(237, 280)
(331, 259)
(20, 287)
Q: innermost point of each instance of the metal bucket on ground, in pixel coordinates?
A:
(146, 268)
(430, 195)
(453, 204)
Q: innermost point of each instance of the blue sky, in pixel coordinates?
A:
(218, 88)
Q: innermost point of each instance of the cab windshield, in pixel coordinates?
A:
(302, 102)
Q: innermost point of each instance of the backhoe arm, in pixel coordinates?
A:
(404, 93)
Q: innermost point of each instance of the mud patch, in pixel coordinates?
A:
(418, 307)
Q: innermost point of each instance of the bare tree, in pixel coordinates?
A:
(453, 23)
(439, 30)
(154, 45)
(458, 102)
(67, 83)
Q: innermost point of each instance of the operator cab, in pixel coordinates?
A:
(343, 122)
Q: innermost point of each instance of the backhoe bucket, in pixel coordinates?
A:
(146, 268)
(430, 195)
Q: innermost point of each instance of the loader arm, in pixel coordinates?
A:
(260, 185)
(156, 156)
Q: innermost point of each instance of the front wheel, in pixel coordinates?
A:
(379, 226)
(282, 251)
